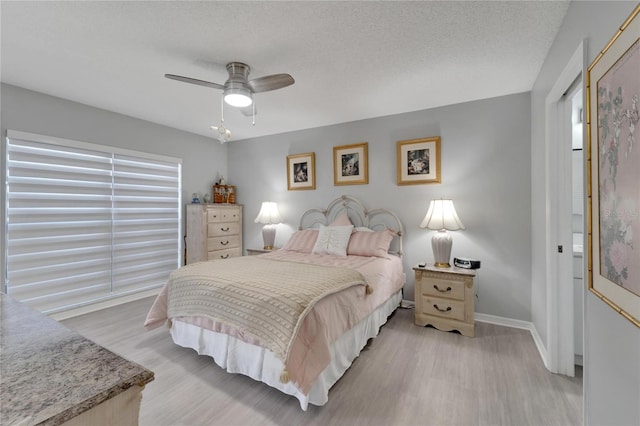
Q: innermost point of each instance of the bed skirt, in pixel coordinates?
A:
(236, 356)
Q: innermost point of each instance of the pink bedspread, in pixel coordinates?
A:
(329, 318)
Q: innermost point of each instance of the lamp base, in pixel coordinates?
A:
(441, 243)
(269, 236)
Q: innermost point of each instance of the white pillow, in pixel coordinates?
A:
(363, 229)
(333, 240)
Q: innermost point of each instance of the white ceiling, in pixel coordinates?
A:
(350, 60)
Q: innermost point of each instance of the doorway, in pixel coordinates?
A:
(564, 301)
(576, 119)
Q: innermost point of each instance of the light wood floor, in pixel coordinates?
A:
(408, 375)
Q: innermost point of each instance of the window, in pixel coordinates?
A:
(86, 222)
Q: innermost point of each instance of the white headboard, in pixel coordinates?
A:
(376, 219)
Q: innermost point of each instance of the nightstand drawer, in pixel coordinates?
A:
(225, 242)
(443, 308)
(225, 254)
(223, 228)
(224, 214)
(443, 288)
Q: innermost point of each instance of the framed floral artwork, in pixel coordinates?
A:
(613, 99)
(418, 161)
(351, 164)
(301, 171)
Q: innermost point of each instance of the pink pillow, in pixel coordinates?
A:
(341, 220)
(370, 243)
(302, 241)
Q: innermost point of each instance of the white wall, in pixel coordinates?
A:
(612, 344)
(485, 170)
(25, 110)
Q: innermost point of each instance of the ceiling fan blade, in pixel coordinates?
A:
(271, 82)
(195, 81)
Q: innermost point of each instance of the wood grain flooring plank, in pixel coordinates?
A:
(408, 375)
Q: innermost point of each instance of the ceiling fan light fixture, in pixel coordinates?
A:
(238, 97)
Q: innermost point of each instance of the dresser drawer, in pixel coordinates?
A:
(223, 228)
(444, 308)
(442, 287)
(224, 214)
(222, 243)
(225, 254)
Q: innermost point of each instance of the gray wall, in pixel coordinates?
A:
(485, 170)
(612, 344)
(202, 158)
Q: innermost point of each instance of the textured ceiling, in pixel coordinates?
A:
(350, 60)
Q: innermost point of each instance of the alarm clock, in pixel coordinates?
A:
(462, 262)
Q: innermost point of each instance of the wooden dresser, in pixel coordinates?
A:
(444, 298)
(214, 231)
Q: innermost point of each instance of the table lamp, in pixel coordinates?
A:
(270, 217)
(441, 217)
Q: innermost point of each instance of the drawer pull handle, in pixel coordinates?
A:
(225, 256)
(225, 229)
(442, 291)
(442, 310)
(224, 243)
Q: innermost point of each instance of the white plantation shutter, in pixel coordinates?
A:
(87, 222)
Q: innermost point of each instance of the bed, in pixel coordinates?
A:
(297, 317)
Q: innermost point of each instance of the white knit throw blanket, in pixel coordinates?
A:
(264, 298)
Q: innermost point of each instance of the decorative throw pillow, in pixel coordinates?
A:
(302, 241)
(370, 243)
(341, 220)
(333, 240)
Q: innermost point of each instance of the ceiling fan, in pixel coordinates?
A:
(238, 89)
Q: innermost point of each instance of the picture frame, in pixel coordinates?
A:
(301, 171)
(418, 161)
(613, 171)
(351, 164)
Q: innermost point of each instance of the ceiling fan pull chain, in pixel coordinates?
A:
(253, 114)
(222, 109)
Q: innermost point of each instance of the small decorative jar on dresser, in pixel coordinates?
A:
(214, 231)
(444, 298)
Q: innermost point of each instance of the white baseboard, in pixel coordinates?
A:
(75, 312)
(407, 304)
(524, 325)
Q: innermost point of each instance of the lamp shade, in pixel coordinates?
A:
(269, 214)
(442, 215)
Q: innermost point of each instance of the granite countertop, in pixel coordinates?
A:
(50, 374)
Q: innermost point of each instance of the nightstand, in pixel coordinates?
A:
(256, 251)
(444, 298)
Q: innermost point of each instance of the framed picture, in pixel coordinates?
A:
(301, 171)
(418, 161)
(613, 161)
(351, 164)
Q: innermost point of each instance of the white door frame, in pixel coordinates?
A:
(559, 278)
